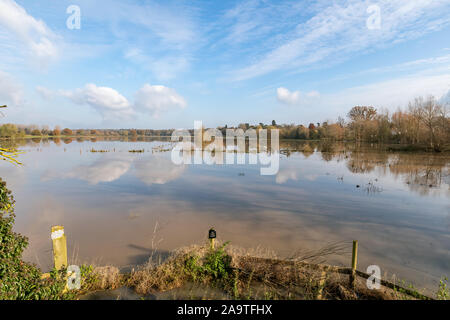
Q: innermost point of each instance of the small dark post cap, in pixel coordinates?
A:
(212, 234)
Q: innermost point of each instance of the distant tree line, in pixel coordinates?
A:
(19, 131)
(425, 122)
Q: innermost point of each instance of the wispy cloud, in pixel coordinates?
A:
(162, 67)
(250, 21)
(426, 67)
(337, 30)
(395, 93)
(157, 37)
(438, 64)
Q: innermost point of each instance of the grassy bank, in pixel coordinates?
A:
(197, 272)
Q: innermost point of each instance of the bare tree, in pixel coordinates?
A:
(434, 118)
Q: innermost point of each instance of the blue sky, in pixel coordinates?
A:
(164, 64)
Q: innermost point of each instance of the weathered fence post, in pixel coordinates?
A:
(354, 262)
(59, 247)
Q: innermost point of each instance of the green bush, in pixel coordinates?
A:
(215, 266)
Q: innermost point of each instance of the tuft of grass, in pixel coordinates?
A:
(443, 292)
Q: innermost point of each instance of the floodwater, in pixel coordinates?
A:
(119, 207)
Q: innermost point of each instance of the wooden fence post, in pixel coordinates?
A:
(354, 262)
(59, 247)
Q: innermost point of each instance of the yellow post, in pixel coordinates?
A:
(354, 262)
(211, 241)
(59, 247)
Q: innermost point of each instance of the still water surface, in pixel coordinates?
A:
(118, 207)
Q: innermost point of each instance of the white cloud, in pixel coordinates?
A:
(107, 101)
(337, 30)
(11, 92)
(158, 99)
(295, 97)
(35, 35)
(288, 97)
(152, 99)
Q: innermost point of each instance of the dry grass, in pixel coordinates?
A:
(281, 279)
(165, 276)
(107, 278)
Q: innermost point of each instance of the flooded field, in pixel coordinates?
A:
(120, 207)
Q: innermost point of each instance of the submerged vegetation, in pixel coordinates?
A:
(95, 150)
